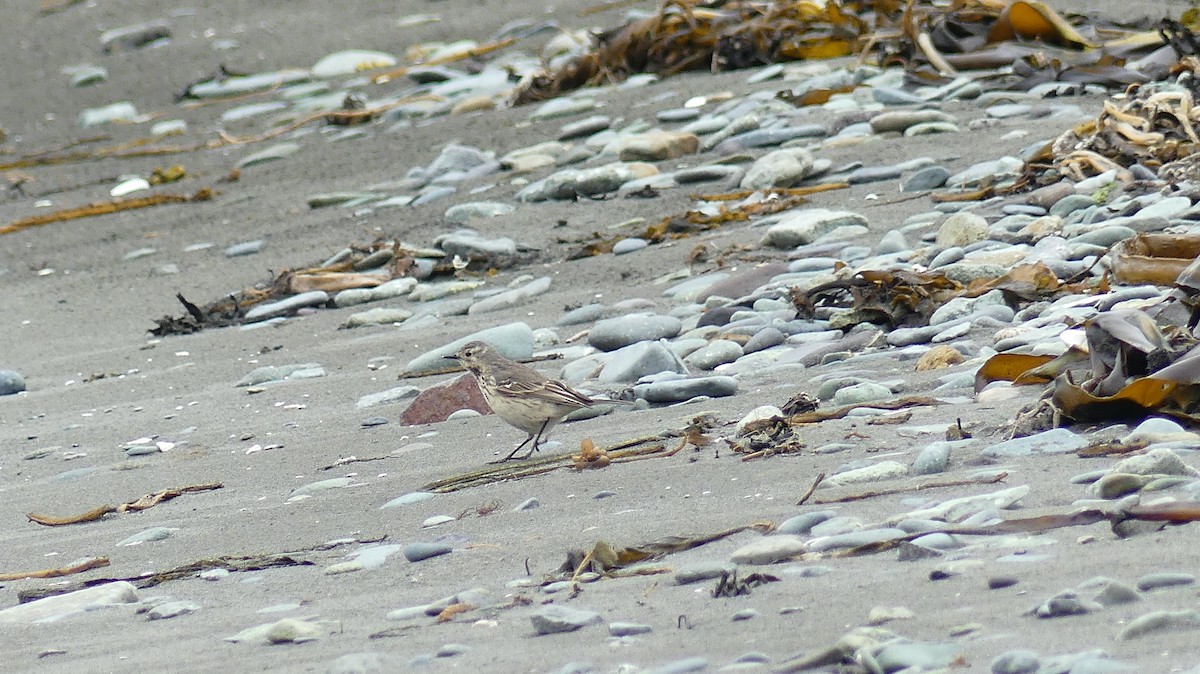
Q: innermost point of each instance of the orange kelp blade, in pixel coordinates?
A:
(1138, 399)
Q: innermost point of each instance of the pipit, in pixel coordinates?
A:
(520, 395)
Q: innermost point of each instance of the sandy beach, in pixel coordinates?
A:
(82, 295)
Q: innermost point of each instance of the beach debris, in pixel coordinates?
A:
(1153, 125)
(647, 447)
(76, 567)
(920, 486)
(1131, 369)
(143, 503)
(933, 41)
(766, 437)
(731, 585)
(104, 208)
(604, 558)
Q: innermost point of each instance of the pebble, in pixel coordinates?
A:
(62, 605)
(701, 571)
(313, 488)
(410, 498)
(620, 629)
(933, 458)
(684, 666)
(272, 373)
(136, 36)
(778, 169)
(1015, 662)
(513, 340)
(1055, 441)
(555, 619)
(350, 62)
(769, 550)
(510, 298)
(680, 390)
(613, 333)
(285, 631)
(1160, 621)
(803, 226)
(1154, 581)
(172, 609)
(11, 382)
(247, 248)
(416, 552)
(149, 535)
(123, 111)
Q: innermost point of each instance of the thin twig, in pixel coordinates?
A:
(808, 494)
(904, 490)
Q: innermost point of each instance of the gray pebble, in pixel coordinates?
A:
(528, 504)
(11, 382)
(933, 458)
(450, 650)
(717, 352)
(1015, 662)
(769, 550)
(247, 248)
(698, 571)
(1154, 581)
(1055, 441)
(585, 314)
(679, 390)
(554, 618)
(1065, 604)
(416, 552)
(745, 614)
(919, 656)
(408, 499)
(803, 524)
(628, 629)
(685, 666)
(1160, 621)
(630, 245)
(172, 609)
(613, 333)
(149, 535)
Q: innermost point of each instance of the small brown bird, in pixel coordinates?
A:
(520, 395)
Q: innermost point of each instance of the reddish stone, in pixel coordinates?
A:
(439, 401)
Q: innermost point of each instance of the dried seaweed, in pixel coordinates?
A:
(691, 222)
(1153, 125)
(932, 39)
(143, 503)
(901, 298)
(604, 558)
(731, 585)
(78, 567)
(104, 208)
(231, 309)
(628, 450)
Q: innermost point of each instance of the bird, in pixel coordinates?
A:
(520, 395)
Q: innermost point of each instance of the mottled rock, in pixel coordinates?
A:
(439, 401)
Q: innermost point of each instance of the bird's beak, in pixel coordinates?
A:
(450, 357)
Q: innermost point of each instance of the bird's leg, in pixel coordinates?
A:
(514, 452)
(537, 440)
